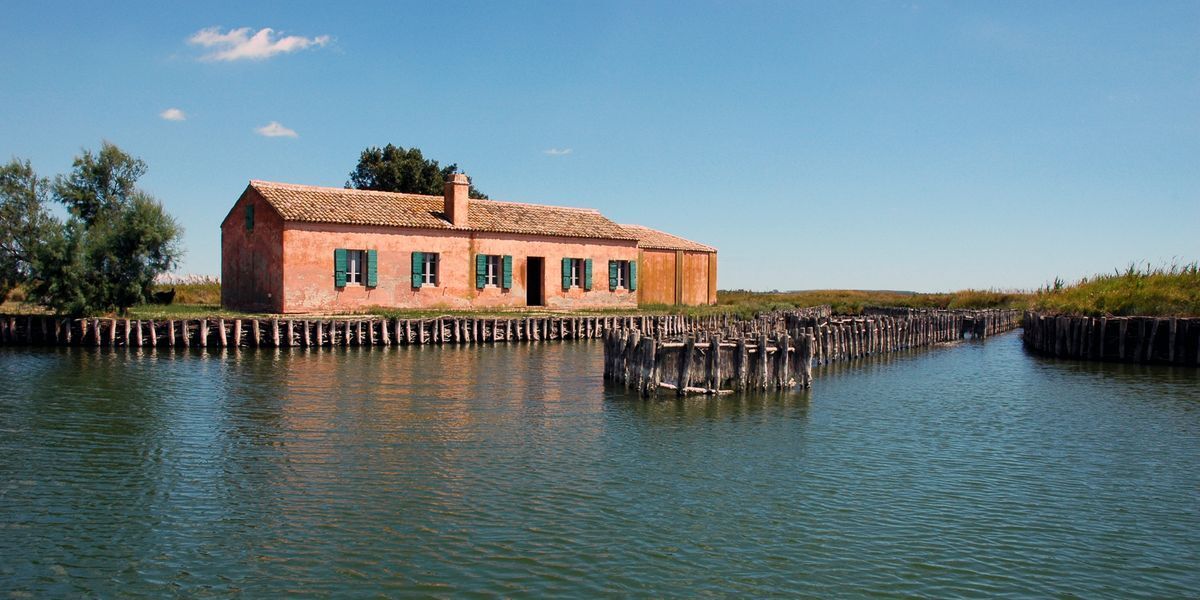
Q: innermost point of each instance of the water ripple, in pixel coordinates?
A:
(973, 470)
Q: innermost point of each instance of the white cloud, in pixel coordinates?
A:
(238, 44)
(173, 114)
(274, 129)
(557, 151)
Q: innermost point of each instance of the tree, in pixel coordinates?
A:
(396, 169)
(99, 182)
(24, 222)
(116, 240)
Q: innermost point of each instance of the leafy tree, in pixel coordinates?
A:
(99, 182)
(24, 222)
(396, 169)
(116, 240)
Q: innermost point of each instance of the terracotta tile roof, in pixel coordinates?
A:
(661, 240)
(316, 204)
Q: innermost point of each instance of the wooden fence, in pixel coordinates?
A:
(1161, 340)
(725, 359)
(347, 331)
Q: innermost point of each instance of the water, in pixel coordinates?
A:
(974, 470)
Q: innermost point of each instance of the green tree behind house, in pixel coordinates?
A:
(396, 169)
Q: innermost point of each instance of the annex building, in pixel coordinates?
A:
(289, 248)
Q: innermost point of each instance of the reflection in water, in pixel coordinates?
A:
(514, 470)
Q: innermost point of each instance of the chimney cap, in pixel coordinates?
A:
(460, 178)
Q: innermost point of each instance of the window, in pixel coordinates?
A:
(354, 266)
(493, 269)
(360, 267)
(430, 268)
(249, 217)
(424, 268)
(623, 274)
(577, 272)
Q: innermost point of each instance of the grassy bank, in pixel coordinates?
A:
(203, 298)
(853, 301)
(1148, 291)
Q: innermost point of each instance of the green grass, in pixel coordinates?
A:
(853, 301)
(195, 300)
(205, 291)
(1172, 290)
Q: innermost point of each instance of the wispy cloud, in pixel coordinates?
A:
(274, 129)
(557, 151)
(239, 44)
(173, 114)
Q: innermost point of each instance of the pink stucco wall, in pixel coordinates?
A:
(251, 260)
(308, 284)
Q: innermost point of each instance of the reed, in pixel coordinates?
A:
(1139, 290)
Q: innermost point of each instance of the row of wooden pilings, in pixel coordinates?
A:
(346, 331)
(712, 366)
(723, 360)
(845, 338)
(1161, 340)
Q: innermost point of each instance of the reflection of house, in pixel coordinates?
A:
(294, 249)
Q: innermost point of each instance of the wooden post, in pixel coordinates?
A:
(714, 348)
(275, 333)
(1172, 324)
(685, 364)
(762, 375)
(1153, 325)
(628, 359)
(654, 379)
(806, 359)
(784, 375)
(237, 333)
(221, 333)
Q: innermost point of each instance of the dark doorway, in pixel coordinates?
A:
(535, 271)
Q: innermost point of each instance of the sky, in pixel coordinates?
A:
(926, 146)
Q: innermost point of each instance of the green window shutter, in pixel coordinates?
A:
(372, 268)
(339, 267)
(249, 217)
(566, 270)
(633, 275)
(418, 269)
(587, 274)
(612, 275)
(507, 272)
(480, 270)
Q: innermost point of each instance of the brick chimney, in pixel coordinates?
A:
(457, 199)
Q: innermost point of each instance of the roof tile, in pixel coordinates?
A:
(661, 240)
(316, 204)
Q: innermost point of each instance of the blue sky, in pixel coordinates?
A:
(882, 145)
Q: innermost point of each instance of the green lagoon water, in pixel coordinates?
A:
(968, 471)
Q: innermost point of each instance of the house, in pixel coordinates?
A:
(289, 248)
